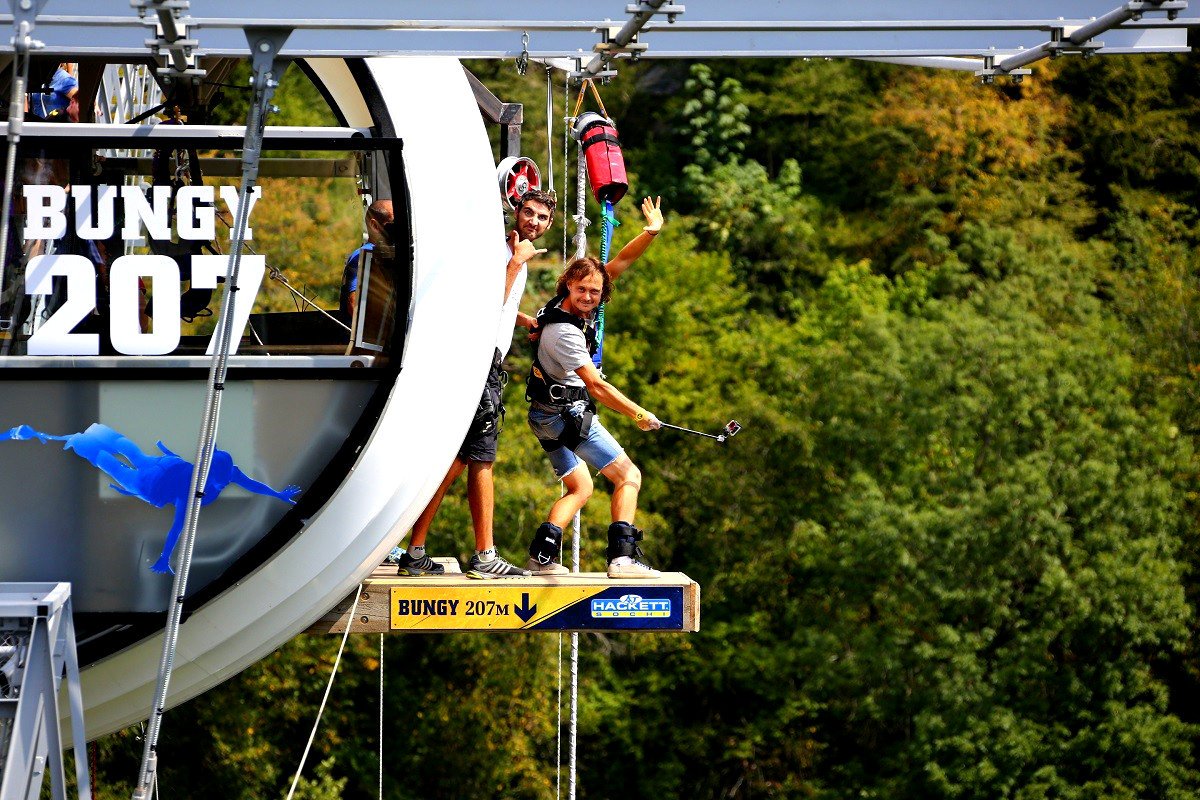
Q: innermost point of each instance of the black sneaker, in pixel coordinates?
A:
(416, 567)
(496, 568)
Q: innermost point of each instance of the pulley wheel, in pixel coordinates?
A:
(517, 175)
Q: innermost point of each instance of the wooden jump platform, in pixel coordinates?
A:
(585, 601)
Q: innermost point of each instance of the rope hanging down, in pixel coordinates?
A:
(566, 151)
(328, 688)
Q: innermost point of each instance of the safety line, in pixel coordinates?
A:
(549, 128)
(328, 688)
(580, 251)
(380, 713)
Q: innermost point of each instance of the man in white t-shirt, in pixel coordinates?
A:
(478, 452)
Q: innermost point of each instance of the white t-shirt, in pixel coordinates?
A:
(512, 304)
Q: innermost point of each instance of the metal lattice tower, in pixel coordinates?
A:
(127, 92)
(37, 653)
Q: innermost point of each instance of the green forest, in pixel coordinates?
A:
(954, 551)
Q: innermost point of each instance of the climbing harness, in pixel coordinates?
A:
(573, 403)
(489, 414)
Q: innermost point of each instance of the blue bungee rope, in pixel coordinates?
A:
(609, 223)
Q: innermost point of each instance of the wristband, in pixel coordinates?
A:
(652, 233)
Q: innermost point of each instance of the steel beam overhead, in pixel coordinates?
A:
(573, 29)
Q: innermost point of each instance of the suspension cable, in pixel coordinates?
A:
(581, 223)
(566, 144)
(276, 274)
(549, 128)
(380, 713)
(328, 688)
(22, 44)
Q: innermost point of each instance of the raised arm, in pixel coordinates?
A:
(652, 211)
(258, 487)
(610, 396)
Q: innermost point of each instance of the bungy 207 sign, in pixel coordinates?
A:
(95, 215)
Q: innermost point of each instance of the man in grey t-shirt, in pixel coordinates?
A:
(563, 388)
(563, 349)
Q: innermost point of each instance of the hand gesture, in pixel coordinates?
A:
(652, 211)
(23, 433)
(647, 421)
(523, 250)
(289, 493)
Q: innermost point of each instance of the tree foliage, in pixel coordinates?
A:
(952, 554)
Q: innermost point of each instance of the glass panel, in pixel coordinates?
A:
(149, 233)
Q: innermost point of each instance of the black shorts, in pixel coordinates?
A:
(484, 433)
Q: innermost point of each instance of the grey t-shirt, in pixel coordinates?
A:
(562, 349)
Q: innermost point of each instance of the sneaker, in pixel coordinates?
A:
(626, 567)
(393, 556)
(536, 567)
(416, 567)
(496, 568)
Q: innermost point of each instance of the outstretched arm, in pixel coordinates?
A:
(24, 432)
(610, 396)
(258, 487)
(652, 211)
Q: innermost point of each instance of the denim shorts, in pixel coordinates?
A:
(598, 450)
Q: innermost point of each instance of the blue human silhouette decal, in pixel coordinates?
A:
(155, 479)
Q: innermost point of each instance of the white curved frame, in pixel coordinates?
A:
(458, 230)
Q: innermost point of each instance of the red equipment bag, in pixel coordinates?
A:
(602, 149)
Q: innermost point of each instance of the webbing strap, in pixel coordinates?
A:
(589, 83)
(600, 137)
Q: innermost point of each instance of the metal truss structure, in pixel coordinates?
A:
(37, 654)
(988, 38)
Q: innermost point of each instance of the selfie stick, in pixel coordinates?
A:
(728, 432)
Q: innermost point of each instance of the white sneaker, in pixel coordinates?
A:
(626, 567)
(553, 568)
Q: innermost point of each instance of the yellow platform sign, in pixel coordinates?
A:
(489, 607)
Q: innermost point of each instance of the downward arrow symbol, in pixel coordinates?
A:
(525, 611)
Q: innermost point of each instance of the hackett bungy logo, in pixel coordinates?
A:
(631, 605)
